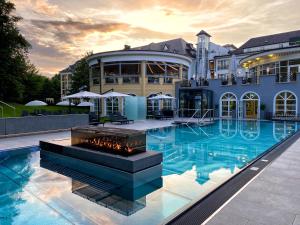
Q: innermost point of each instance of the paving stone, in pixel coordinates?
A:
(297, 220)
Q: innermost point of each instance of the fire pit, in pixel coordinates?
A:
(111, 140)
(118, 156)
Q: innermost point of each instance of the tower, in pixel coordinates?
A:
(202, 54)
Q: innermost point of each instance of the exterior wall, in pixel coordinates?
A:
(143, 88)
(9, 126)
(267, 89)
(65, 83)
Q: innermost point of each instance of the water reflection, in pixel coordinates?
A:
(227, 144)
(120, 198)
(283, 129)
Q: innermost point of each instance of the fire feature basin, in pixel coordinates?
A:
(112, 140)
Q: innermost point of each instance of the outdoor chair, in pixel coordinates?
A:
(24, 113)
(118, 118)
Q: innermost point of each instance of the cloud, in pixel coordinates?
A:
(61, 31)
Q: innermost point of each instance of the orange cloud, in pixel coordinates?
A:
(62, 31)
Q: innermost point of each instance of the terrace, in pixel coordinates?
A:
(260, 200)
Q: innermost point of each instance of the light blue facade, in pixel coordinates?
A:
(267, 89)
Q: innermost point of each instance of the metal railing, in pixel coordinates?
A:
(8, 105)
(211, 116)
(187, 116)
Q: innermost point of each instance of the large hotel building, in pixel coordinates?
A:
(257, 80)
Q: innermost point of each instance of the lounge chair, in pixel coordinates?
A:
(118, 118)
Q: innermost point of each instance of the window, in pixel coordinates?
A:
(168, 71)
(185, 71)
(228, 105)
(285, 104)
(130, 69)
(223, 64)
(152, 105)
(130, 80)
(112, 105)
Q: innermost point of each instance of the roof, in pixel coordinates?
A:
(269, 40)
(202, 32)
(178, 46)
(70, 68)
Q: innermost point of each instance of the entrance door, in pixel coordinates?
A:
(251, 109)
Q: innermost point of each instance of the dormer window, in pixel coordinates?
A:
(166, 48)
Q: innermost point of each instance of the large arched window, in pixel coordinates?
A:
(250, 105)
(228, 105)
(285, 104)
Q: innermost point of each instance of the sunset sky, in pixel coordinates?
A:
(61, 31)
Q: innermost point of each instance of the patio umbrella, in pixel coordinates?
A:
(65, 103)
(158, 97)
(83, 94)
(113, 94)
(36, 103)
(85, 104)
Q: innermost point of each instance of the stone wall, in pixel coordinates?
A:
(9, 126)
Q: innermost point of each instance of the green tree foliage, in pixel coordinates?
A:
(19, 79)
(80, 77)
(13, 54)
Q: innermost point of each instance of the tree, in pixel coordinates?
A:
(14, 64)
(80, 77)
(55, 83)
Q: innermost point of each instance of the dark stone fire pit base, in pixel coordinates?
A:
(131, 171)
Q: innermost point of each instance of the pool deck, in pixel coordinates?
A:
(272, 198)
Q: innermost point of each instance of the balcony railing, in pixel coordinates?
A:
(286, 78)
(228, 81)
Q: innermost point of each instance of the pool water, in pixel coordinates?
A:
(196, 161)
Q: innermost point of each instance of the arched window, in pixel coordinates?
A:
(152, 105)
(228, 105)
(285, 104)
(250, 105)
(112, 105)
(250, 96)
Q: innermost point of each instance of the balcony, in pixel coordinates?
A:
(228, 81)
(286, 78)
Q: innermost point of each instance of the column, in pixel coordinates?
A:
(143, 78)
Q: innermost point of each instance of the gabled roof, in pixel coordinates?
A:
(269, 40)
(178, 46)
(202, 32)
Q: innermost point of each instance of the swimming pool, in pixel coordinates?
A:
(196, 161)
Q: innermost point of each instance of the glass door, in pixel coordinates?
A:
(292, 73)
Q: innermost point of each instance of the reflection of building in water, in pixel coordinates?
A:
(121, 198)
(249, 129)
(107, 199)
(228, 128)
(283, 129)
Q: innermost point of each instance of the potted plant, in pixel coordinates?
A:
(262, 110)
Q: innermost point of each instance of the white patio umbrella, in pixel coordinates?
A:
(159, 97)
(36, 103)
(113, 94)
(83, 94)
(65, 103)
(85, 104)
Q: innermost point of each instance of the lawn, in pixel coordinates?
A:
(9, 112)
